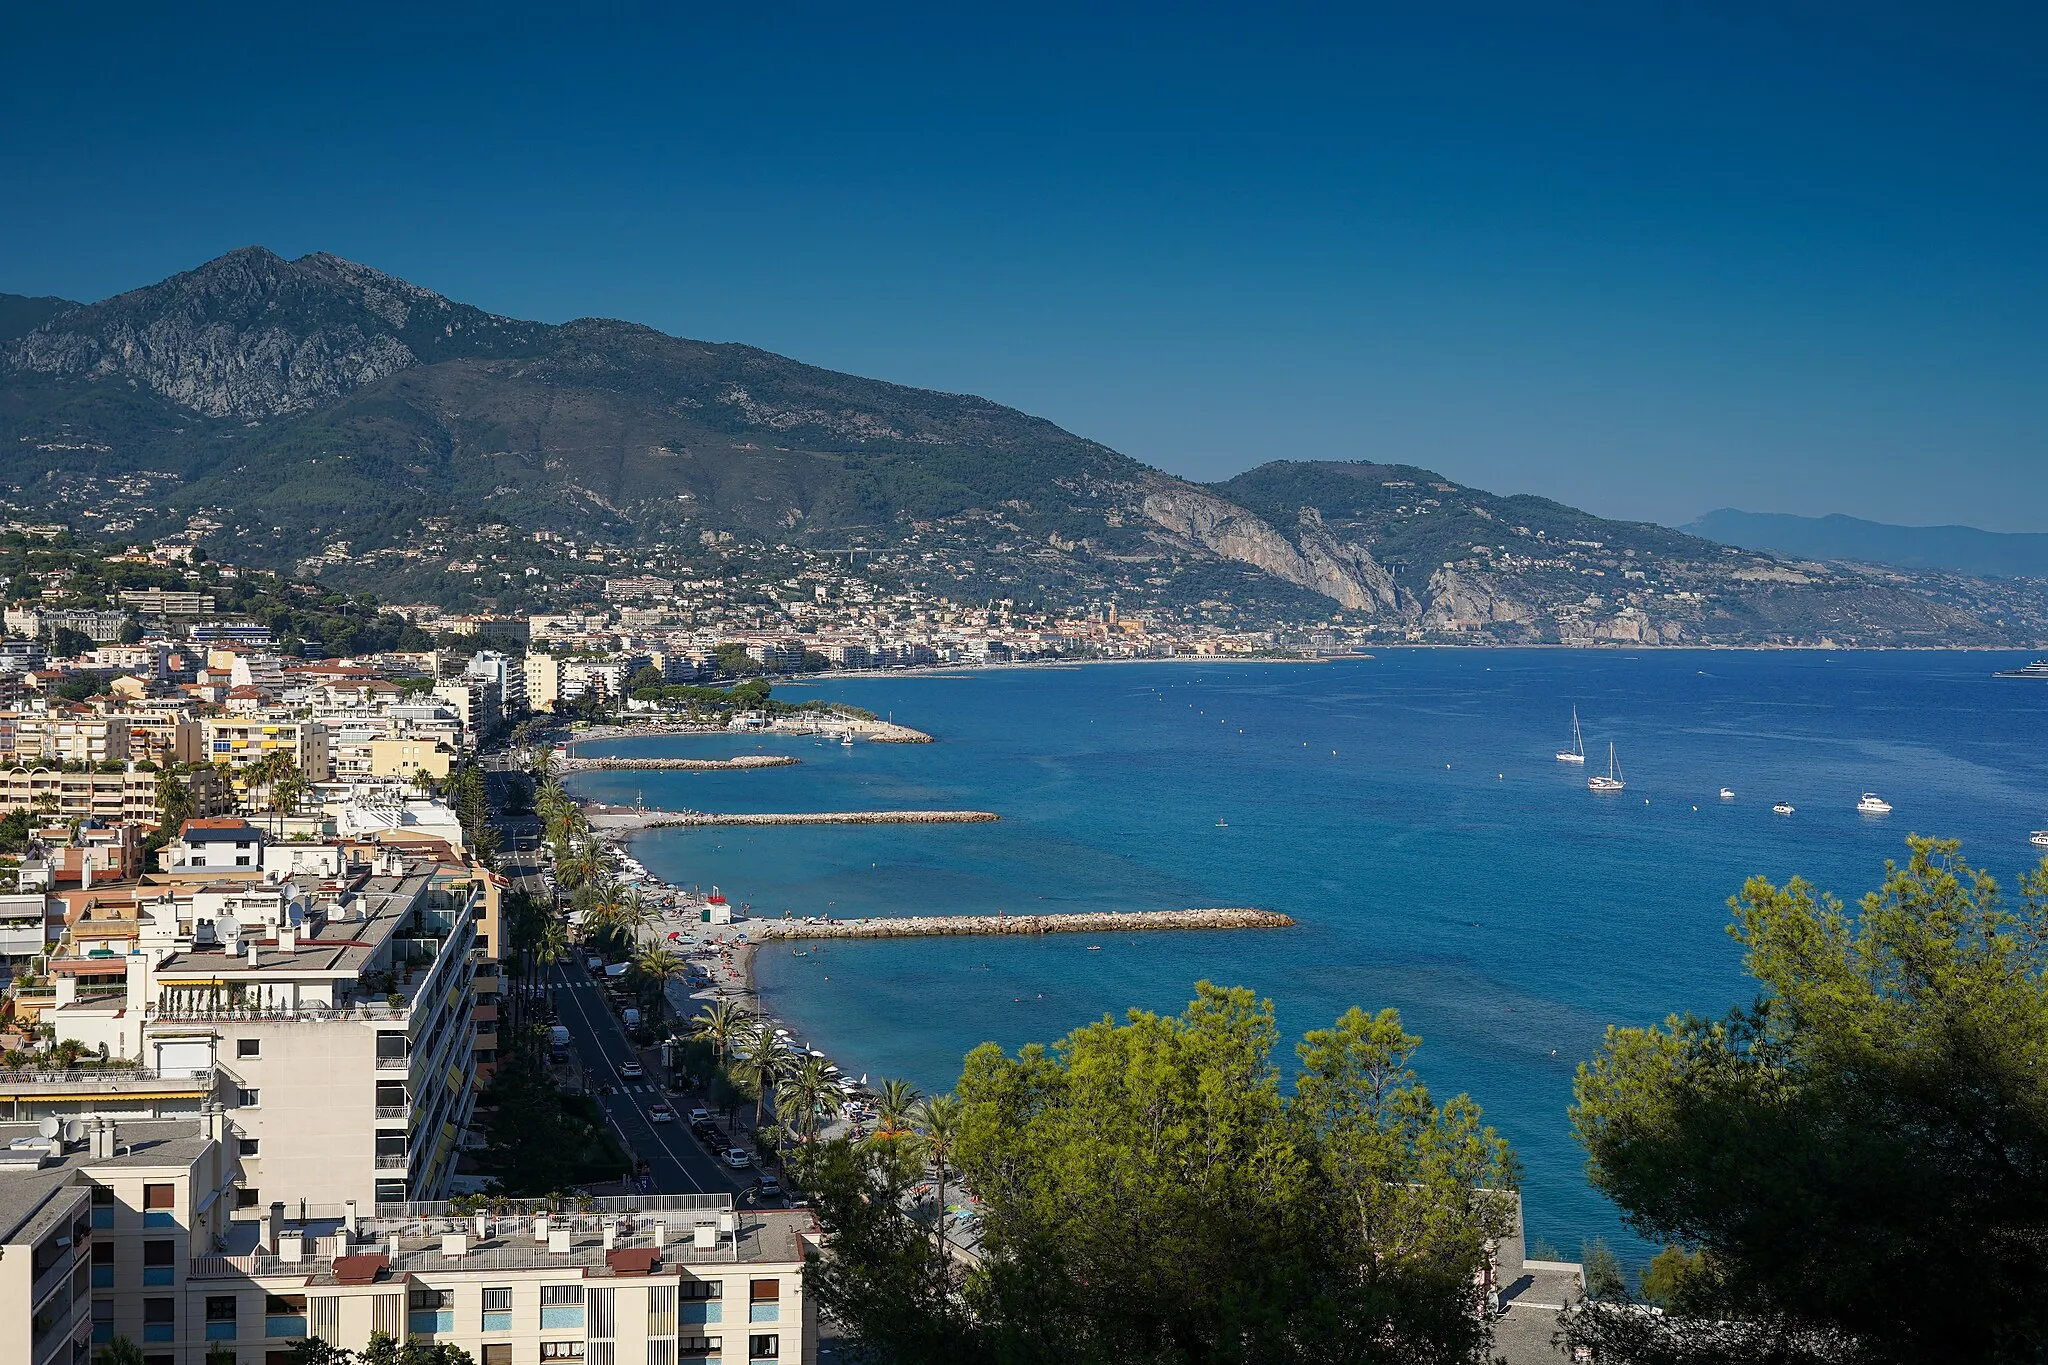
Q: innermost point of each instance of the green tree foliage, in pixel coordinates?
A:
(1860, 1158)
(384, 1349)
(120, 1351)
(1152, 1193)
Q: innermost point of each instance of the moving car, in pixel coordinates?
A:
(698, 1116)
(768, 1187)
(737, 1158)
(632, 1071)
(659, 1112)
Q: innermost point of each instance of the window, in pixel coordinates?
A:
(103, 1194)
(560, 1295)
(703, 1289)
(249, 1099)
(561, 1350)
(764, 1300)
(661, 1310)
(247, 1199)
(159, 1196)
(249, 1146)
(500, 1354)
(248, 1047)
(763, 1348)
(220, 1307)
(497, 1300)
(425, 1300)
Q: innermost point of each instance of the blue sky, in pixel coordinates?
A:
(1650, 259)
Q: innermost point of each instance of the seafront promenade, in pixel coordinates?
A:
(626, 820)
(1076, 922)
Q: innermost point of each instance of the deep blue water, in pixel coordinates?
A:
(1406, 810)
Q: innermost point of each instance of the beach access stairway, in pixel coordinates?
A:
(1071, 922)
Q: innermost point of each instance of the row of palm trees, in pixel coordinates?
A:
(806, 1094)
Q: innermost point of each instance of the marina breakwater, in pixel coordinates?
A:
(573, 764)
(1074, 922)
(623, 821)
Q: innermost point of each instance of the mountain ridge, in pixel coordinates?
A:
(1958, 549)
(320, 412)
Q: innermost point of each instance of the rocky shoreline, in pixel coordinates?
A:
(1075, 922)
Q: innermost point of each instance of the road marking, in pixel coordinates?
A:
(652, 1129)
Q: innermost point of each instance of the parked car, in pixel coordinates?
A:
(632, 1071)
(737, 1158)
(659, 1112)
(768, 1187)
(698, 1116)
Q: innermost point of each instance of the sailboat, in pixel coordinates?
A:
(1611, 780)
(1577, 753)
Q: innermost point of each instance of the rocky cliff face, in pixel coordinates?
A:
(252, 335)
(1343, 572)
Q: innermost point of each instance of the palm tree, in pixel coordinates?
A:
(805, 1095)
(630, 913)
(657, 966)
(938, 1121)
(764, 1056)
(720, 1025)
(895, 1106)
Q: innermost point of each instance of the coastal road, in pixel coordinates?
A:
(680, 1165)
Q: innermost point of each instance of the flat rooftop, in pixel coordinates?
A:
(343, 947)
(26, 1189)
(764, 1237)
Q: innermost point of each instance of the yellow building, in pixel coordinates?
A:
(404, 757)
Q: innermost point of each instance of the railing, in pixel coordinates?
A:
(393, 1111)
(111, 1075)
(610, 1204)
(394, 1063)
(391, 1163)
(315, 1014)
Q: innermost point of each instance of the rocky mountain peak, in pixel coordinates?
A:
(252, 335)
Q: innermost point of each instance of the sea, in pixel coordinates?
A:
(1406, 809)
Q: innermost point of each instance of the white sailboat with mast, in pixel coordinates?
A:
(1610, 781)
(1577, 753)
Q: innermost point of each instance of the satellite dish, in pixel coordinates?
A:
(50, 1126)
(74, 1130)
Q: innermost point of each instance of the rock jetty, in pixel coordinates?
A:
(690, 819)
(1077, 922)
(573, 764)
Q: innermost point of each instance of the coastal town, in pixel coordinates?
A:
(297, 944)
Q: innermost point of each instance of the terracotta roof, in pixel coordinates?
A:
(632, 1260)
(359, 1269)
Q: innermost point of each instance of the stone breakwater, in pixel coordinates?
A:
(690, 819)
(1077, 922)
(695, 765)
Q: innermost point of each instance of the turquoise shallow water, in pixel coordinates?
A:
(1406, 810)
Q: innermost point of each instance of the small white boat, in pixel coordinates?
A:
(1870, 803)
(1221, 825)
(1727, 793)
(1782, 808)
(2039, 838)
(847, 742)
(1610, 781)
(1577, 753)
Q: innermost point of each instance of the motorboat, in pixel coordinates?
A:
(2039, 838)
(1577, 753)
(1727, 793)
(1782, 808)
(1610, 781)
(1870, 803)
(2036, 669)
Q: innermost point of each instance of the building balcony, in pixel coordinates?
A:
(388, 1112)
(392, 1163)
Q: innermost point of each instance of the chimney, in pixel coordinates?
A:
(85, 870)
(213, 1121)
(348, 1219)
(273, 1227)
(287, 939)
(611, 1234)
(105, 1142)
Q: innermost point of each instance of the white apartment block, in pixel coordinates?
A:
(241, 741)
(124, 1229)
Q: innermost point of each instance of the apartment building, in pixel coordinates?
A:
(129, 795)
(162, 602)
(126, 1228)
(504, 675)
(64, 735)
(241, 741)
(543, 680)
(337, 1010)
